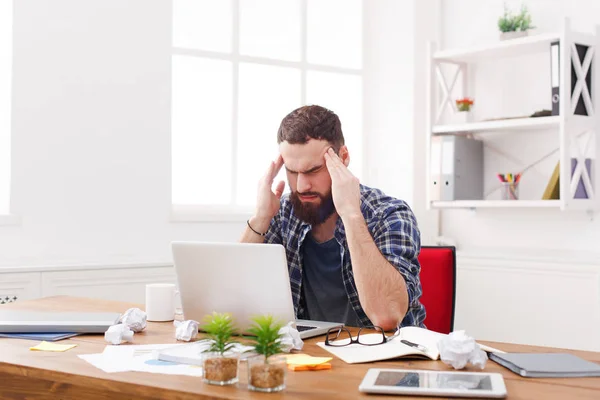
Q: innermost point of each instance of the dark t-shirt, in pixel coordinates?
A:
(322, 283)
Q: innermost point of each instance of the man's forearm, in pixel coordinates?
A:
(260, 226)
(381, 288)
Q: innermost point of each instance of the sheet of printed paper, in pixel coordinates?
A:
(141, 358)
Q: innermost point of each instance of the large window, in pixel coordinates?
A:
(238, 67)
(5, 96)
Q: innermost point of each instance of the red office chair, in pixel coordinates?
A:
(438, 280)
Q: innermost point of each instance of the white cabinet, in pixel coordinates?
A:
(111, 282)
(19, 286)
(120, 284)
(529, 298)
(571, 135)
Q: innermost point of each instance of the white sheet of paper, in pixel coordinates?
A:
(139, 358)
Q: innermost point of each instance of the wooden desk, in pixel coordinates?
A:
(29, 374)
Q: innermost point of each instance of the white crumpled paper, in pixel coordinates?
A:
(457, 349)
(119, 333)
(135, 319)
(186, 330)
(291, 338)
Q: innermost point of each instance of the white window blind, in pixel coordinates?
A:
(238, 67)
(5, 102)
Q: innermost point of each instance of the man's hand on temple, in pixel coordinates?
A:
(345, 187)
(267, 203)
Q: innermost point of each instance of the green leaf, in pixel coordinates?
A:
(219, 328)
(266, 339)
(509, 21)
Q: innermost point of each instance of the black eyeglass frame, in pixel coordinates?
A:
(339, 330)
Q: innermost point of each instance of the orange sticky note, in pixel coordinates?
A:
(318, 367)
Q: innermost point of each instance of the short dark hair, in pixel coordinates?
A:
(311, 122)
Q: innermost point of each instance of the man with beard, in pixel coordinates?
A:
(351, 250)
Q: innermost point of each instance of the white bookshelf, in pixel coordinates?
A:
(509, 48)
(499, 125)
(568, 127)
(496, 204)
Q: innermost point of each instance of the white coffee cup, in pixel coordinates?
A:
(160, 301)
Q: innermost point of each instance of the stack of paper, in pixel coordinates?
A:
(193, 353)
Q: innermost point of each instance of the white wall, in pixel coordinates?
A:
(91, 156)
(522, 88)
(395, 100)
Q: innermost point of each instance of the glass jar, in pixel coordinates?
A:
(218, 369)
(267, 376)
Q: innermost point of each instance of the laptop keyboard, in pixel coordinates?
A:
(302, 328)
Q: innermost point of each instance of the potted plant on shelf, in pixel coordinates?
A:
(514, 25)
(463, 107)
(219, 366)
(464, 104)
(267, 371)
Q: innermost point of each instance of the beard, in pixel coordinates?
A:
(313, 213)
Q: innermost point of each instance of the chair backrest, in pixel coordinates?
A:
(438, 280)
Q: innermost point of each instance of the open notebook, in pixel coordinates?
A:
(424, 345)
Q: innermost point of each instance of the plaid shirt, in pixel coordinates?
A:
(393, 227)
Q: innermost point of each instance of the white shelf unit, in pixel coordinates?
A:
(497, 204)
(501, 125)
(574, 131)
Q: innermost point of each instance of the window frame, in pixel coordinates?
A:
(233, 212)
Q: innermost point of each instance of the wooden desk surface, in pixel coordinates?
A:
(30, 374)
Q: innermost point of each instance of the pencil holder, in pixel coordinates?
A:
(510, 190)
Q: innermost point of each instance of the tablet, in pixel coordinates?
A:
(433, 383)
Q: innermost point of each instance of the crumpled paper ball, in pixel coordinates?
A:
(186, 330)
(457, 349)
(119, 333)
(291, 338)
(135, 319)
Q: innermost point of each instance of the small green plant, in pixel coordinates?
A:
(220, 328)
(266, 339)
(510, 22)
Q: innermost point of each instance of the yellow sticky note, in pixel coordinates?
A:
(305, 359)
(48, 346)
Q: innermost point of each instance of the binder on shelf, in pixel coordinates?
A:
(456, 168)
(555, 76)
(552, 191)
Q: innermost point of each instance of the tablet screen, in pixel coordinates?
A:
(434, 380)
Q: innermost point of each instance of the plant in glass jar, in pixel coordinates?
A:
(219, 366)
(267, 371)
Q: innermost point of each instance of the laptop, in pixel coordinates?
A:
(244, 279)
(12, 321)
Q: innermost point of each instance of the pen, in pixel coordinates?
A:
(415, 345)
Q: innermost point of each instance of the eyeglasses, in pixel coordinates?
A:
(342, 337)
